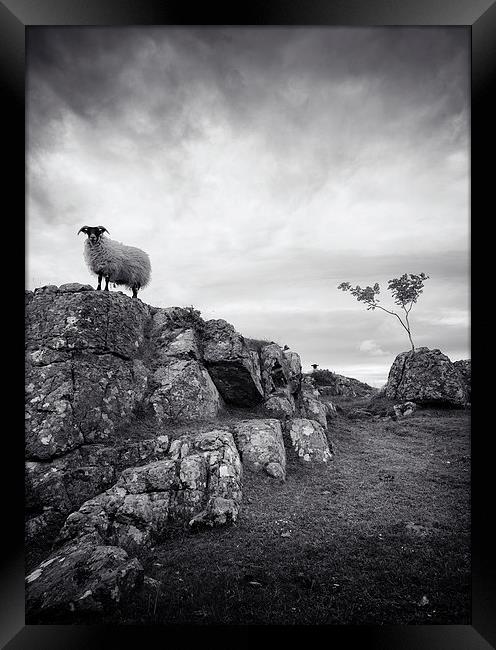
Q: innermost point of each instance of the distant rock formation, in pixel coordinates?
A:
(330, 384)
(426, 377)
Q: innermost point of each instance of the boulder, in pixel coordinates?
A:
(183, 390)
(426, 377)
(80, 577)
(221, 498)
(309, 441)
(261, 445)
(233, 367)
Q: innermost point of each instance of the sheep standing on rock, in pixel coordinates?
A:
(116, 262)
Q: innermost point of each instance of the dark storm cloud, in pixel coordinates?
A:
(98, 72)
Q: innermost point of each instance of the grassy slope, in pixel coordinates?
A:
(339, 544)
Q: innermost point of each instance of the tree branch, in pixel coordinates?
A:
(393, 313)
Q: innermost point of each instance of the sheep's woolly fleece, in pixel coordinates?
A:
(125, 265)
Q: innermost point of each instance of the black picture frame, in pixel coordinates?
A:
(480, 17)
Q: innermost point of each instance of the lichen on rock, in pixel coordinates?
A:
(261, 446)
(428, 377)
(309, 441)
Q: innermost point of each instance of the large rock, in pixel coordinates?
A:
(233, 367)
(426, 377)
(199, 483)
(60, 321)
(220, 496)
(83, 376)
(261, 446)
(80, 577)
(464, 367)
(183, 390)
(309, 441)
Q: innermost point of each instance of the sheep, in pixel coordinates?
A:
(116, 262)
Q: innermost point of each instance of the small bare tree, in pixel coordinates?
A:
(405, 291)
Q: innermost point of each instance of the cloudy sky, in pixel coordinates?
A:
(259, 168)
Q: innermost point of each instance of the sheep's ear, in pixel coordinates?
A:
(83, 229)
(102, 229)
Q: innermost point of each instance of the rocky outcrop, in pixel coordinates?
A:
(464, 367)
(234, 368)
(309, 441)
(426, 377)
(261, 446)
(95, 359)
(91, 569)
(82, 374)
(107, 380)
(199, 482)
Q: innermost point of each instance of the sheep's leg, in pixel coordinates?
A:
(100, 276)
(135, 292)
(107, 278)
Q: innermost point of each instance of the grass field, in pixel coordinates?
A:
(381, 535)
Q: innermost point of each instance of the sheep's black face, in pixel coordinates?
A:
(94, 233)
